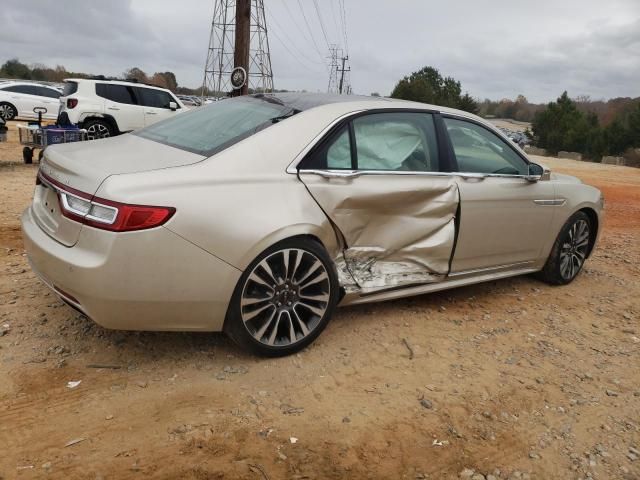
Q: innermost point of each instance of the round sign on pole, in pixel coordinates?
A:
(238, 78)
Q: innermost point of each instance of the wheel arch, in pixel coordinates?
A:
(595, 227)
(101, 116)
(324, 236)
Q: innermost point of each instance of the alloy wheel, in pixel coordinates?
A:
(6, 112)
(96, 131)
(285, 297)
(574, 249)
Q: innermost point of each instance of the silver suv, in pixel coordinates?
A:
(108, 107)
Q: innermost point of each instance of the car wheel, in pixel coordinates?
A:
(284, 299)
(27, 155)
(8, 111)
(97, 129)
(569, 251)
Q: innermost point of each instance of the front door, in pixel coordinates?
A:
(121, 103)
(504, 218)
(378, 179)
(157, 104)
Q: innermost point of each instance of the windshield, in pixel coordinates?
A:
(211, 129)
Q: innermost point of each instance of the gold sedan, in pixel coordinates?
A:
(259, 215)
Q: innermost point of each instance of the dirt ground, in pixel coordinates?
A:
(512, 378)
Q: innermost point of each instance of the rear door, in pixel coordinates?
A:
(157, 104)
(121, 103)
(378, 178)
(504, 218)
(49, 99)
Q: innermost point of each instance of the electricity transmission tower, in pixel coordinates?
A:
(338, 81)
(238, 40)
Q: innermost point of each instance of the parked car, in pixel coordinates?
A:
(188, 101)
(106, 108)
(18, 99)
(258, 215)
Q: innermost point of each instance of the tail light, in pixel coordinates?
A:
(106, 214)
(72, 102)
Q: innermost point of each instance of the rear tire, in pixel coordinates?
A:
(97, 128)
(8, 111)
(284, 299)
(27, 155)
(569, 251)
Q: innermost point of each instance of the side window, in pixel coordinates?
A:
(48, 92)
(339, 152)
(18, 89)
(396, 142)
(154, 98)
(478, 150)
(116, 93)
(333, 155)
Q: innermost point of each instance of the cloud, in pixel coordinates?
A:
(496, 49)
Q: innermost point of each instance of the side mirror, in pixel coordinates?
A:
(173, 106)
(536, 173)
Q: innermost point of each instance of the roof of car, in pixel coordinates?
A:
(5, 83)
(306, 101)
(128, 83)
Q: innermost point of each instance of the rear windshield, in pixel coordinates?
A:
(69, 88)
(211, 129)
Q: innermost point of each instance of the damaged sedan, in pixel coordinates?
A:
(258, 215)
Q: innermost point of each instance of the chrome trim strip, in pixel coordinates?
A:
(358, 173)
(558, 202)
(490, 269)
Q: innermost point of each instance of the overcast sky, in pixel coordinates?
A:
(496, 48)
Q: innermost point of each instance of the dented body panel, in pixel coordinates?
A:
(397, 230)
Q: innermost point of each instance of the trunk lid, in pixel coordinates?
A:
(84, 166)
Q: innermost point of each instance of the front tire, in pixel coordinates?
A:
(8, 111)
(97, 129)
(569, 251)
(284, 299)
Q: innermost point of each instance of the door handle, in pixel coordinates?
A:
(335, 173)
(473, 176)
(113, 108)
(151, 113)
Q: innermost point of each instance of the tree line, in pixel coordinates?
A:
(594, 129)
(562, 125)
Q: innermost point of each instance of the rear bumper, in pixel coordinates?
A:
(148, 280)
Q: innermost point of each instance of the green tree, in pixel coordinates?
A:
(429, 86)
(468, 104)
(136, 73)
(15, 69)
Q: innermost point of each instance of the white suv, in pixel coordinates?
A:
(108, 107)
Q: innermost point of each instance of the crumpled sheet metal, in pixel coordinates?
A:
(394, 236)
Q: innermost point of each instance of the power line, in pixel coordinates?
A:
(298, 56)
(335, 19)
(324, 32)
(292, 53)
(309, 27)
(344, 26)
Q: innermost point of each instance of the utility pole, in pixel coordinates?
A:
(238, 38)
(342, 70)
(243, 40)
